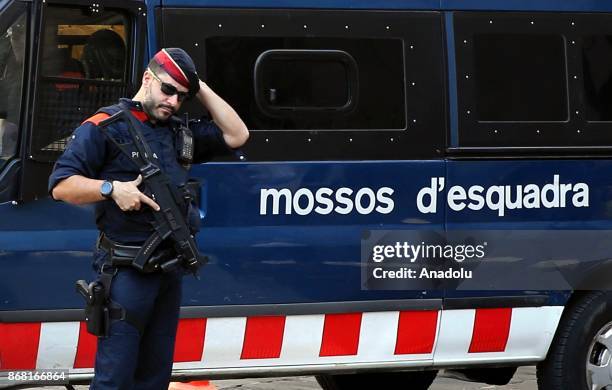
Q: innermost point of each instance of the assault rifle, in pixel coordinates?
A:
(170, 221)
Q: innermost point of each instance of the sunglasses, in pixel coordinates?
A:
(170, 90)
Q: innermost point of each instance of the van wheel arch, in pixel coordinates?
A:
(587, 314)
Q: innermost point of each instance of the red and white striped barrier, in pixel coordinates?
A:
(425, 338)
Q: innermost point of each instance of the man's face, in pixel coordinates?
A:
(157, 104)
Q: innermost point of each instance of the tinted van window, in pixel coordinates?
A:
(83, 67)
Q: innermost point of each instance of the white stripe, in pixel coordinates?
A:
(302, 339)
(58, 344)
(455, 336)
(223, 341)
(378, 336)
(532, 329)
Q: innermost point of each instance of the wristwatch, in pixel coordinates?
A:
(106, 190)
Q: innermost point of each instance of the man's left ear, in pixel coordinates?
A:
(146, 78)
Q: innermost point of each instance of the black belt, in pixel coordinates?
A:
(124, 255)
(120, 255)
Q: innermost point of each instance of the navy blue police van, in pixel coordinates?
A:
(365, 115)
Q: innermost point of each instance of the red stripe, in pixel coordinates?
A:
(491, 330)
(86, 348)
(340, 334)
(97, 118)
(140, 115)
(170, 67)
(263, 337)
(190, 340)
(19, 345)
(416, 332)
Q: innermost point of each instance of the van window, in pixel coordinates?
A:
(316, 81)
(520, 78)
(12, 55)
(83, 66)
(597, 75)
(310, 79)
(533, 80)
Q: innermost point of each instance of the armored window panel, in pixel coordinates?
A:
(533, 83)
(597, 76)
(520, 78)
(321, 84)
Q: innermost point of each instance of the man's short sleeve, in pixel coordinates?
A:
(208, 140)
(84, 155)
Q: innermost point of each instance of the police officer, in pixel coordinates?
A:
(138, 352)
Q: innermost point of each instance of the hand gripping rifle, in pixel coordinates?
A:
(170, 221)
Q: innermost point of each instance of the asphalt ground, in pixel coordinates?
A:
(524, 379)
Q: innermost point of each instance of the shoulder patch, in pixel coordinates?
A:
(97, 118)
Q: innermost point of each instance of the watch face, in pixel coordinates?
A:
(106, 189)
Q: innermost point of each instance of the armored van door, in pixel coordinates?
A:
(86, 56)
